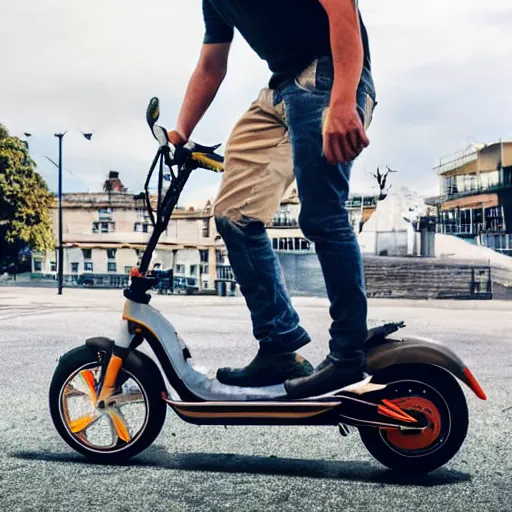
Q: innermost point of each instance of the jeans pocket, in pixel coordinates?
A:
(306, 79)
(317, 77)
(366, 104)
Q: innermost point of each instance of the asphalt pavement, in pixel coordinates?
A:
(191, 468)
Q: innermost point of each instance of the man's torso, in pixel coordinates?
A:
(288, 34)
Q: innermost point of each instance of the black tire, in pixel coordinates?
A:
(142, 369)
(448, 397)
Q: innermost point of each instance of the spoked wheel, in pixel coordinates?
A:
(122, 426)
(436, 395)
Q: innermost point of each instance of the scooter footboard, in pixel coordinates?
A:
(416, 350)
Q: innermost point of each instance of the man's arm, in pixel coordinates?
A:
(344, 135)
(202, 89)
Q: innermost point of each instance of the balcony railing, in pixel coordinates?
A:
(225, 273)
(284, 223)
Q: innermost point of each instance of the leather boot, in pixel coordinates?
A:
(266, 369)
(327, 377)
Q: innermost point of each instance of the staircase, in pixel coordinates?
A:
(418, 278)
(398, 278)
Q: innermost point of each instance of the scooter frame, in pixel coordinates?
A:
(199, 400)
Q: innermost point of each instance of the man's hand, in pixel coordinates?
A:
(176, 139)
(343, 133)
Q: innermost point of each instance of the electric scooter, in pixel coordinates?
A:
(108, 400)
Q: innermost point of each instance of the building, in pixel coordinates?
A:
(105, 234)
(475, 195)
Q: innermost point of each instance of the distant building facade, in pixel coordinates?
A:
(475, 195)
(105, 234)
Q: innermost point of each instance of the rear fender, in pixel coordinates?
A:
(415, 350)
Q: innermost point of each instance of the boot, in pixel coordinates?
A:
(327, 377)
(266, 369)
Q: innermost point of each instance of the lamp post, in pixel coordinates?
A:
(60, 249)
(60, 257)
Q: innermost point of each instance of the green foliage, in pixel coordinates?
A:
(25, 202)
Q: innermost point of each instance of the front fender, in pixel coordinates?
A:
(415, 350)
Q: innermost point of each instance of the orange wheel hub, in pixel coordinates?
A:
(428, 436)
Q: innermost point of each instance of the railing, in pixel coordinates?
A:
(453, 192)
(225, 273)
(356, 203)
(284, 223)
(500, 242)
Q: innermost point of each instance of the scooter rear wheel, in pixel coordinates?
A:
(126, 424)
(434, 393)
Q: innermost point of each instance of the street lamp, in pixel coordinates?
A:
(60, 259)
(60, 251)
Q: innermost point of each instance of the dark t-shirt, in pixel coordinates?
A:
(288, 34)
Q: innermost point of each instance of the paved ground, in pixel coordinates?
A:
(240, 468)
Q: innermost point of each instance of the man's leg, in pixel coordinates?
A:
(258, 171)
(323, 190)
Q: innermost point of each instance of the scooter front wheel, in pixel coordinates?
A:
(429, 391)
(120, 427)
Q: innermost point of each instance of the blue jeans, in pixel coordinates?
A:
(247, 203)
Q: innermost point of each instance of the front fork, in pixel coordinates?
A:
(113, 363)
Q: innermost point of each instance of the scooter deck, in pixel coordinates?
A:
(345, 406)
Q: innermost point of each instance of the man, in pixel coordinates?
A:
(308, 125)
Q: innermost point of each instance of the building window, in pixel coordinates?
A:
(205, 285)
(489, 179)
(203, 255)
(193, 270)
(142, 227)
(111, 266)
(111, 254)
(103, 227)
(206, 228)
(205, 269)
(87, 253)
(74, 268)
(219, 257)
(105, 213)
(128, 270)
(53, 266)
(180, 269)
(88, 266)
(38, 265)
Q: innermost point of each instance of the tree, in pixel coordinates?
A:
(25, 201)
(381, 181)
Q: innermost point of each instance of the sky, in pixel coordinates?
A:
(441, 68)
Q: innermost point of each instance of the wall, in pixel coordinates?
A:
(412, 278)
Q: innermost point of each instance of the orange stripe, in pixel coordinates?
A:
(127, 317)
(114, 365)
(473, 384)
(392, 414)
(397, 409)
(119, 425)
(81, 423)
(91, 383)
(200, 414)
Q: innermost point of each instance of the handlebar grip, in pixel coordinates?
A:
(210, 161)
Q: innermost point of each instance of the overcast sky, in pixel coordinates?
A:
(442, 71)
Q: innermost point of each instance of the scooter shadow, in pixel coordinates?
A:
(158, 457)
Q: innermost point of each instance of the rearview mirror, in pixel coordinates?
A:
(153, 112)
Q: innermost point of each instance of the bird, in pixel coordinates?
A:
(27, 134)
(88, 136)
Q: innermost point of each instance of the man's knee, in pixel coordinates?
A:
(320, 224)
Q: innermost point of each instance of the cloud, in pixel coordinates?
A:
(441, 71)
